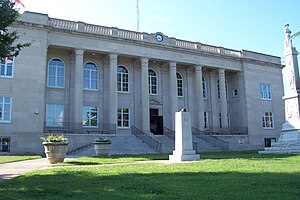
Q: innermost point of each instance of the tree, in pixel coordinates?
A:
(9, 14)
(296, 35)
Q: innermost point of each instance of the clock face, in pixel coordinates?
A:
(159, 37)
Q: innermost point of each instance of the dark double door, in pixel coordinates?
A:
(156, 122)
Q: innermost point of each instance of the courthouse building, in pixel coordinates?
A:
(82, 79)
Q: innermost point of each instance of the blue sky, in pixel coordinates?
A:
(255, 25)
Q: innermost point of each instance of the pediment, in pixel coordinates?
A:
(154, 101)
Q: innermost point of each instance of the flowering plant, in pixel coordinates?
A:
(54, 138)
(103, 139)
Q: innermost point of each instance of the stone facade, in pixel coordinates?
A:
(234, 84)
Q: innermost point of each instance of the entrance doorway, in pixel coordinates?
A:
(156, 122)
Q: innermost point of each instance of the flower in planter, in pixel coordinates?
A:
(103, 139)
(54, 138)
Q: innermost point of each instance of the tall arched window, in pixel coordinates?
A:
(179, 85)
(56, 73)
(90, 76)
(152, 79)
(123, 79)
(204, 87)
(226, 89)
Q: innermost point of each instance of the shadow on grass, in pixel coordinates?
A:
(91, 184)
(118, 159)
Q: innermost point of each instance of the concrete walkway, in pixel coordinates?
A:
(14, 169)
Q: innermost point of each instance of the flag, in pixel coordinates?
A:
(19, 2)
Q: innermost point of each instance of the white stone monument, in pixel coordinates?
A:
(183, 139)
(289, 140)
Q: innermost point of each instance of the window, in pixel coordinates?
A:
(56, 73)
(123, 79)
(4, 144)
(205, 121)
(265, 91)
(5, 109)
(269, 141)
(228, 120)
(235, 93)
(90, 76)
(220, 120)
(90, 116)
(226, 90)
(123, 118)
(267, 120)
(152, 78)
(54, 114)
(7, 65)
(179, 85)
(204, 87)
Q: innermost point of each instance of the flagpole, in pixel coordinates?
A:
(138, 16)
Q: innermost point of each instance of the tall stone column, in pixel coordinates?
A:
(78, 89)
(145, 94)
(113, 95)
(199, 95)
(173, 93)
(223, 100)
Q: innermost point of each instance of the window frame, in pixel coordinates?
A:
(218, 90)
(265, 94)
(56, 76)
(204, 87)
(7, 145)
(56, 115)
(182, 84)
(122, 79)
(90, 119)
(90, 80)
(122, 113)
(3, 111)
(150, 85)
(5, 67)
(205, 121)
(268, 118)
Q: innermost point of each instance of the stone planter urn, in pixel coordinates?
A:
(102, 146)
(55, 151)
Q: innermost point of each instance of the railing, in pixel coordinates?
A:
(186, 44)
(102, 30)
(171, 134)
(130, 34)
(97, 29)
(78, 128)
(232, 130)
(168, 132)
(147, 139)
(213, 140)
(64, 24)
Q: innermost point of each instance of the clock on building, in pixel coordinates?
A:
(159, 37)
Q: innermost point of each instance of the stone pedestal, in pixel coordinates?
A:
(183, 139)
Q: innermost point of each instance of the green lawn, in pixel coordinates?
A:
(229, 175)
(15, 158)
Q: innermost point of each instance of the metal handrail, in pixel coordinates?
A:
(213, 140)
(147, 139)
(170, 133)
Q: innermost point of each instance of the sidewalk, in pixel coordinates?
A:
(14, 169)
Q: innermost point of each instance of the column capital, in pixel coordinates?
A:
(144, 60)
(198, 68)
(172, 64)
(221, 71)
(113, 55)
(79, 51)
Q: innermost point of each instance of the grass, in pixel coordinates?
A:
(15, 158)
(226, 175)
